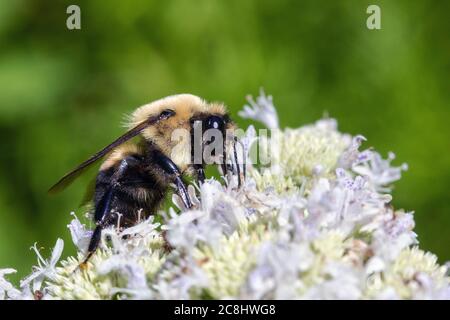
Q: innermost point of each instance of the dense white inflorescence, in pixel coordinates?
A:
(316, 223)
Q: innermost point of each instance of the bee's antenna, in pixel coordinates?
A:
(244, 161)
(225, 157)
(238, 169)
(224, 168)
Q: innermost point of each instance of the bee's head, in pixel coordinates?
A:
(179, 114)
(210, 132)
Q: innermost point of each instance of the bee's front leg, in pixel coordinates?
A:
(172, 170)
(200, 172)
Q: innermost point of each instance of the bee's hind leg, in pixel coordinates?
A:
(103, 208)
(93, 245)
(102, 215)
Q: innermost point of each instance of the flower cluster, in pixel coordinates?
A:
(316, 223)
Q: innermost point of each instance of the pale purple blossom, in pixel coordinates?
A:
(261, 110)
(379, 170)
(352, 156)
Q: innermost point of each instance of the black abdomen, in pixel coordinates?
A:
(126, 192)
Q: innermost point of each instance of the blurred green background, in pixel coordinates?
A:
(63, 93)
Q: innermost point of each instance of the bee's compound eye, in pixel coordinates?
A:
(166, 113)
(214, 122)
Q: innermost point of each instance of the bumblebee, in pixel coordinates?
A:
(135, 176)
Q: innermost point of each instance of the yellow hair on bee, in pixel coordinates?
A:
(135, 177)
(119, 154)
(174, 144)
(215, 108)
(183, 104)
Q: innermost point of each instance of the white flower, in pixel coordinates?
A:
(379, 171)
(299, 156)
(180, 278)
(44, 269)
(277, 273)
(80, 236)
(189, 228)
(7, 290)
(262, 110)
(352, 156)
(413, 274)
(342, 283)
(315, 223)
(134, 274)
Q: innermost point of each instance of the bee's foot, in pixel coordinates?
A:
(83, 266)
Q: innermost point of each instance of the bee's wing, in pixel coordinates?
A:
(88, 194)
(75, 173)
